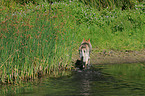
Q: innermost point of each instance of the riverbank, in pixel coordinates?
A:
(115, 57)
(40, 38)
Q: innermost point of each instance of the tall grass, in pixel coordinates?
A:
(33, 43)
(35, 40)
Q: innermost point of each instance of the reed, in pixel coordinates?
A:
(33, 43)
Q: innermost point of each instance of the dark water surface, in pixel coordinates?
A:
(99, 80)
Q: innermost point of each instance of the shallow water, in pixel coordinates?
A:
(99, 80)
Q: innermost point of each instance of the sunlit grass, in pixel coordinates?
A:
(33, 43)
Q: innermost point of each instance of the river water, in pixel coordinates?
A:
(98, 80)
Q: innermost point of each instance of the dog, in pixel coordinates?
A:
(84, 52)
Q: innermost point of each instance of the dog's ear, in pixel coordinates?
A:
(84, 40)
(89, 40)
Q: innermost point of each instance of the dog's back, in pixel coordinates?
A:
(84, 51)
(86, 43)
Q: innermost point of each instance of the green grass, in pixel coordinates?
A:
(33, 42)
(36, 40)
(107, 29)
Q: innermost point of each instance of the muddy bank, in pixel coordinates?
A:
(115, 57)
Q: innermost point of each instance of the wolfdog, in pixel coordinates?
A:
(84, 51)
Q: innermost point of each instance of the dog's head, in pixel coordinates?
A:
(86, 41)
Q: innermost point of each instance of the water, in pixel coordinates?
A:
(99, 80)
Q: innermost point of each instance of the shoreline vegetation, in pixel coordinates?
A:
(41, 38)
